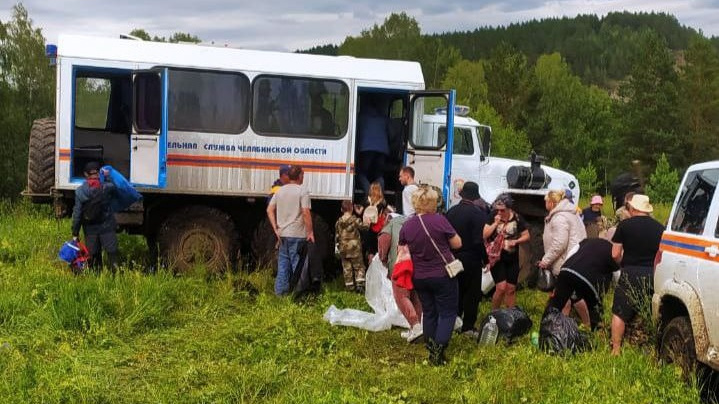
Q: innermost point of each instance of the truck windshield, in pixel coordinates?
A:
(462, 139)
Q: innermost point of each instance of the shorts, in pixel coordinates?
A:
(506, 269)
(575, 288)
(633, 292)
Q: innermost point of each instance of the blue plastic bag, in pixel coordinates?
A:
(126, 194)
(69, 251)
(76, 254)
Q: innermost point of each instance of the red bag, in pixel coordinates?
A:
(377, 227)
(80, 262)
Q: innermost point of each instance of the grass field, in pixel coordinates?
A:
(198, 338)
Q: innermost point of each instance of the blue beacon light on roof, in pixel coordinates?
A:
(51, 53)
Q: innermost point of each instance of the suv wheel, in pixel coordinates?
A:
(677, 345)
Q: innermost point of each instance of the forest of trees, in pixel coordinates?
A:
(595, 96)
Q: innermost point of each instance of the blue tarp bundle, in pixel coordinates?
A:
(126, 194)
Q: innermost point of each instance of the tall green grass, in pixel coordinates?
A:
(196, 338)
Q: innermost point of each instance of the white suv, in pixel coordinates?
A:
(685, 305)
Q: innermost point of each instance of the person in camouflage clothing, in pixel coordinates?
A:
(349, 245)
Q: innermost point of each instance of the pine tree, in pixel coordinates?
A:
(663, 182)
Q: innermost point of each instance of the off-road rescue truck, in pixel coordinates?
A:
(201, 131)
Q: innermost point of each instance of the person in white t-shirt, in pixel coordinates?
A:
(406, 178)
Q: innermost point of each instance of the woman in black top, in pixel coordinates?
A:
(586, 274)
(514, 229)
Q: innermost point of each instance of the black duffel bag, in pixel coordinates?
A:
(512, 322)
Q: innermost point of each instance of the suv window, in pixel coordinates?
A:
(694, 201)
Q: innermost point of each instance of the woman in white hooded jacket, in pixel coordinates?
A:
(563, 230)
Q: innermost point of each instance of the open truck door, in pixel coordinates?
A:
(148, 141)
(428, 152)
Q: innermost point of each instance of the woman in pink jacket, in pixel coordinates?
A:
(563, 230)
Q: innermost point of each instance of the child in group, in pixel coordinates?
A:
(349, 245)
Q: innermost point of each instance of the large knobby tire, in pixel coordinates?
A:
(531, 252)
(264, 242)
(198, 235)
(677, 345)
(41, 159)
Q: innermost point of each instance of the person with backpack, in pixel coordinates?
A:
(93, 212)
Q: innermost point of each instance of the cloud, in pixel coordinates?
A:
(290, 25)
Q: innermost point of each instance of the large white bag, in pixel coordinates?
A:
(378, 292)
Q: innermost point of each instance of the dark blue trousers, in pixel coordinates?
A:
(439, 297)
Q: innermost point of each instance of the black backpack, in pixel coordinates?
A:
(93, 210)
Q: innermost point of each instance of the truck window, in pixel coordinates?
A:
(462, 140)
(148, 105)
(301, 107)
(213, 102)
(92, 100)
(694, 201)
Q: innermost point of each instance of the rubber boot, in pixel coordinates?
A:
(439, 355)
(436, 353)
(430, 344)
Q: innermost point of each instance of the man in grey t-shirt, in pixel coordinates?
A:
(290, 217)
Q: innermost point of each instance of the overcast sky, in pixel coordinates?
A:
(293, 24)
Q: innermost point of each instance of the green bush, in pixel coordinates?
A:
(663, 183)
(587, 177)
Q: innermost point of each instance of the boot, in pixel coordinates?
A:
(436, 353)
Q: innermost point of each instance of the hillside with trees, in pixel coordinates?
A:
(594, 95)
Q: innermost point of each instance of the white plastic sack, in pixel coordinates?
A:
(487, 280)
(378, 292)
(356, 318)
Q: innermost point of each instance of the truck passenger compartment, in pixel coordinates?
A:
(107, 148)
(83, 155)
(387, 104)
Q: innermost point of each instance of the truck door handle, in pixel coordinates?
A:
(712, 250)
(147, 139)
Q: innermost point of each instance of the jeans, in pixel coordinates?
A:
(288, 260)
(439, 298)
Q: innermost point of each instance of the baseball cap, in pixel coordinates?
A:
(285, 169)
(92, 167)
